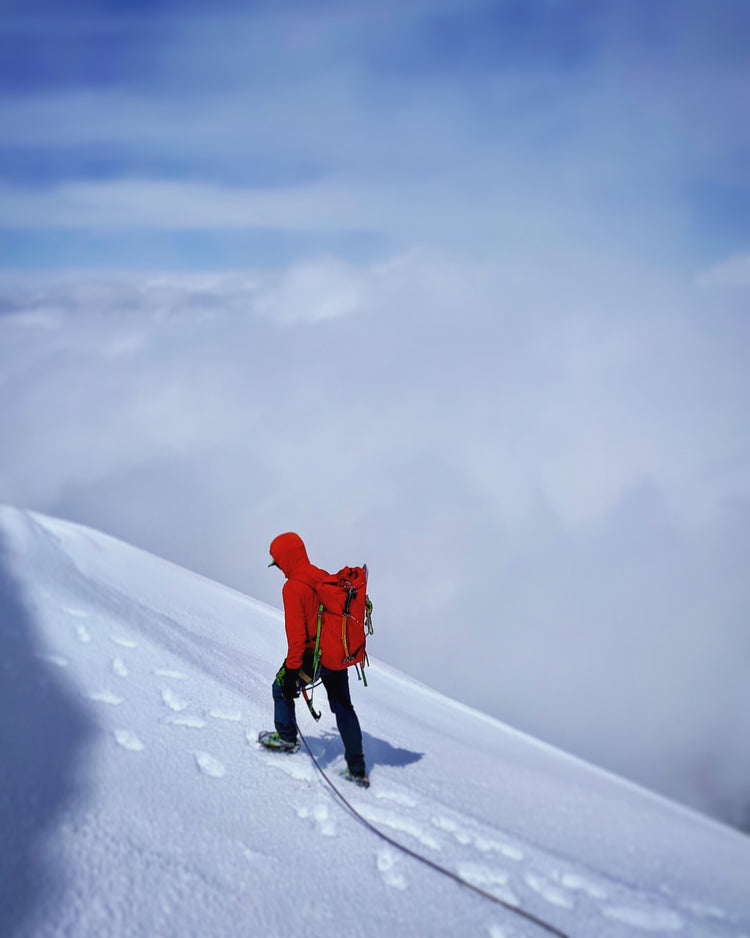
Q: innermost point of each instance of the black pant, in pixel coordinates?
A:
(336, 684)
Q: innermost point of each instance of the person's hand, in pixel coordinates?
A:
(289, 684)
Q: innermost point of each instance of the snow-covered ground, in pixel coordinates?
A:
(134, 800)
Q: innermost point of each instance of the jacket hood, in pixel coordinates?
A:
(288, 550)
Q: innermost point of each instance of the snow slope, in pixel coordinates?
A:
(135, 802)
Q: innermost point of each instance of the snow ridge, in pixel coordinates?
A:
(144, 687)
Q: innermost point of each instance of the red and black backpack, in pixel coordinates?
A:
(343, 623)
(344, 619)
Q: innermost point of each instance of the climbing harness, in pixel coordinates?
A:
(418, 856)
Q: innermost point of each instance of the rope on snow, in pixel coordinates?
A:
(422, 859)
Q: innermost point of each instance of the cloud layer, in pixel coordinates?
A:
(554, 504)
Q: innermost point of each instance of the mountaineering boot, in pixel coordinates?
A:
(359, 778)
(270, 739)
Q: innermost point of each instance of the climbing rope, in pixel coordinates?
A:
(422, 859)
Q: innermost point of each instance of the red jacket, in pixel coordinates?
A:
(298, 593)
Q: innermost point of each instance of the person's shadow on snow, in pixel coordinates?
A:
(42, 731)
(327, 748)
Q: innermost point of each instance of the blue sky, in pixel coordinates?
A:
(458, 288)
(579, 112)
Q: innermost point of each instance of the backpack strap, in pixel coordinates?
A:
(347, 606)
(316, 653)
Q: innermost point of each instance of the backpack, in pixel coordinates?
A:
(344, 620)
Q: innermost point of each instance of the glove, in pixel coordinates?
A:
(289, 688)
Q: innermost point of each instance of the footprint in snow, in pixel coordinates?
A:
(320, 814)
(172, 701)
(401, 824)
(168, 672)
(465, 838)
(209, 765)
(301, 770)
(124, 642)
(298, 769)
(577, 883)
(508, 851)
(493, 880)
(387, 861)
(396, 797)
(450, 827)
(58, 660)
(128, 740)
(548, 890)
(105, 697)
(646, 919)
(119, 667)
(82, 634)
(190, 721)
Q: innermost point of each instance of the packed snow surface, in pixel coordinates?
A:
(134, 800)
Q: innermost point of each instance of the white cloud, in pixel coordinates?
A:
(312, 291)
(542, 459)
(545, 395)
